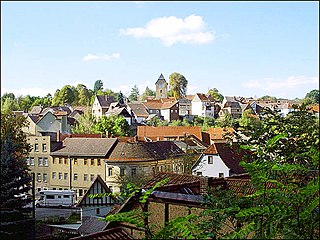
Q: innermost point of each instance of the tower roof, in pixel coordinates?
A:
(161, 78)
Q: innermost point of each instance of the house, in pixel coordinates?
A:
(101, 105)
(138, 111)
(142, 159)
(165, 108)
(314, 110)
(231, 106)
(185, 106)
(219, 160)
(77, 163)
(113, 233)
(116, 109)
(218, 134)
(98, 200)
(202, 105)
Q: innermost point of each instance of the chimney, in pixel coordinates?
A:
(204, 184)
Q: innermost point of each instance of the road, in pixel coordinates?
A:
(42, 213)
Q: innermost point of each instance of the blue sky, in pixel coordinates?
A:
(246, 49)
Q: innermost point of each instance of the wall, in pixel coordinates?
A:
(211, 170)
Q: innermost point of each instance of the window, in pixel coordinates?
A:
(40, 161)
(80, 192)
(45, 161)
(85, 177)
(133, 172)
(54, 175)
(75, 161)
(32, 161)
(28, 161)
(36, 147)
(121, 171)
(44, 147)
(60, 175)
(92, 162)
(39, 177)
(199, 173)
(109, 171)
(65, 176)
(65, 161)
(98, 162)
(45, 178)
(75, 177)
(53, 160)
(98, 211)
(210, 159)
(85, 161)
(50, 196)
(60, 160)
(91, 177)
(221, 175)
(66, 196)
(39, 189)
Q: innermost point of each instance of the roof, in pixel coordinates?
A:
(202, 97)
(35, 110)
(168, 131)
(104, 100)
(163, 103)
(34, 118)
(138, 109)
(118, 111)
(92, 190)
(144, 151)
(99, 147)
(161, 78)
(218, 133)
(92, 224)
(113, 233)
(230, 155)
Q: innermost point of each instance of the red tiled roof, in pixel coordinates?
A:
(217, 133)
(168, 131)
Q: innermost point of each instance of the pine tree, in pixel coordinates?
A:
(16, 222)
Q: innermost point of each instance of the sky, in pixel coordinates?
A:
(248, 49)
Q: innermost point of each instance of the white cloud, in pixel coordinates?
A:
(171, 30)
(106, 57)
(41, 92)
(269, 84)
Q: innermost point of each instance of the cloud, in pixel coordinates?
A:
(172, 30)
(269, 84)
(41, 92)
(106, 57)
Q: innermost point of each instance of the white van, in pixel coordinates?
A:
(56, 198)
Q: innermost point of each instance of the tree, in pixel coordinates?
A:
(113, 125)
(83, 95)
(215, 94)
(148, 92)
(313, 96)
(120, 98)
(178, 85)
(67, 95)
(15, 179)
(248, 119)
(134, 94)
(85, 124)
(98, 85)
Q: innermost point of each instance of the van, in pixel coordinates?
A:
(56, 198)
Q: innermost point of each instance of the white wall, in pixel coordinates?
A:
(211, 170)
(92, 210)
(196, 108)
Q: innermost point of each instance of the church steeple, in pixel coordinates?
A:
(161, 88)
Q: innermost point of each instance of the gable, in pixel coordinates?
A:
(102, 193)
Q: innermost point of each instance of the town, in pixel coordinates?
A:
(186, 142)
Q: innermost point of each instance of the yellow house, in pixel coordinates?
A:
(78, 162)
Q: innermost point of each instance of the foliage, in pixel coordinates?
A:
(134, 94)
(178, 85)
(204, 122)
(84, 95)
(67, 95)
(248, 119)
(98, 85)
(312, 97)
(14, 180)
(148, 92)
(120, 98)
(215, 94)
(85, 124)
(269, 98)
(156, 121)
(113, 125)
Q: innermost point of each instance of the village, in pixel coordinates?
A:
(190, 158)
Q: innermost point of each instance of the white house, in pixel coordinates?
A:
(218, 160)
(202, 105)
(98, 200)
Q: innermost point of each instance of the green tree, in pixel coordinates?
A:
(98, 85)
(178, 85)
(85, 124)
(313, 97)
(215, 94)
(84, 95)
(15, 180)
(148, 92)
(113, 125)
(67, 95)
(248, 119)
(134, 94)
(120, 98)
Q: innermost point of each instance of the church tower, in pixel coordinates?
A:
(161, 88)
